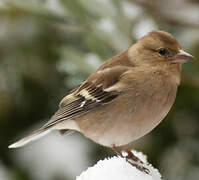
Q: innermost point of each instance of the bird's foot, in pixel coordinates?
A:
(138, 166)
(130, 155)
(135, 161)
(131, 159)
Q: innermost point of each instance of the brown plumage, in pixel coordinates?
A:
(126, 97)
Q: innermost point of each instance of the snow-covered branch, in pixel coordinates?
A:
(117, 168)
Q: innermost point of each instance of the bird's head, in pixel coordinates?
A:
(159, 47)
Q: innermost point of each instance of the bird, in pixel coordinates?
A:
(124, 98)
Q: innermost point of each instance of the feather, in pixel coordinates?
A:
(83, 101)
(32, 137)
(90, 94)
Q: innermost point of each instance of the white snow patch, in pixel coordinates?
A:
(118, 168)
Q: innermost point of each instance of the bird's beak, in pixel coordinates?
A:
(182, 57)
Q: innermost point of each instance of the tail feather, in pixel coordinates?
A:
(32, 137)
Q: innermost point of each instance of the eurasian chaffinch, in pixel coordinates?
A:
(126, 97)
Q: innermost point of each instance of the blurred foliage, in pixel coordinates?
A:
(47, 47)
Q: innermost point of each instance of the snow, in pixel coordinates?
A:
(118, 168)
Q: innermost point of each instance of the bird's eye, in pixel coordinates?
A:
(162, 51)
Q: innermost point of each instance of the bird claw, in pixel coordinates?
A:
(139, 167)
(131, 156)
(132, 159)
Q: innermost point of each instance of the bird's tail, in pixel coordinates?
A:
(33, 136)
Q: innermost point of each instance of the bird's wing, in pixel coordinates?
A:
(100, 88)
(95, 91)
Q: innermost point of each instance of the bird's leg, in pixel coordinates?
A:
(117, 151)
(130, 155)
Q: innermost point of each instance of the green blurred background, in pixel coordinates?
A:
(47, 47)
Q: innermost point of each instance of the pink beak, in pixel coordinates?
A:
(182, 57)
